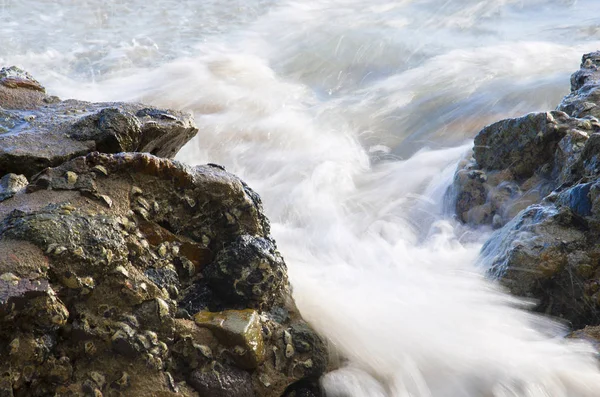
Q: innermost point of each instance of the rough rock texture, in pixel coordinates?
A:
(19, 90)
(45, 133)
(133, 275)
(547, 246)
(516, 163)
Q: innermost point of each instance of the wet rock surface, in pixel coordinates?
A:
(130, 274)
(48, 132)
(537, 180)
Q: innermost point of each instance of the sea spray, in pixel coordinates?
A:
(349, 118)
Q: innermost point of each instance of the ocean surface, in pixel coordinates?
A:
(348, 117)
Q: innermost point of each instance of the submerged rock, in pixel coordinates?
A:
(105, 258)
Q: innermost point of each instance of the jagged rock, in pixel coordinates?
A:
(249, 272)
(519, 145)
(37, 131)
(11, 184)
(548, 251)
(19, 90)
(544, 253)
(584, 97)
(517, 162)
(123, 241)
(29, 304)
(41, 139)
(588, 72)
(568, 153)
(240, 330)
(493, 197)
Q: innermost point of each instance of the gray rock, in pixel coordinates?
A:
(520, 145)
(50, 135)
(544, 253)
(517, 162)
(584, 97)
(11, 184)
(222, 381)
(546, 246)
(19, 90)
(588, 72)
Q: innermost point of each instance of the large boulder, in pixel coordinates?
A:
(120, 258)
(517, 162)
(129, 274)
(537, 180)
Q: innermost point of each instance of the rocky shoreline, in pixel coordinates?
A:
(126, 273)
(536, 179)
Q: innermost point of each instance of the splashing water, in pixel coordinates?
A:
(349, 117)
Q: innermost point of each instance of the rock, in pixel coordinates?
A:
(542, 253)
(590, 334)
(472, 194)
(519, 145)
(588, 73)
(517, 162)
(116, 281)
(29, 304)
(222, 381)
(304, 388)
(588, 163)
(19, 90)
(584, 96)
(567, 155)
(11, 184)
(577, 199)
(548, 249)
(240, 330)
(249, 272)
(105, 258)
(35, 134)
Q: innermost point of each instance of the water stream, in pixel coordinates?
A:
(349, 117)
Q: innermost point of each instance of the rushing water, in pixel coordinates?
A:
(348, 117)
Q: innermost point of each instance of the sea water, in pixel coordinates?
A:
(349, 117)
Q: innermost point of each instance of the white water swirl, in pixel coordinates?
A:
(349, 117)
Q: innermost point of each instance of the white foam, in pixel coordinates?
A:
(289, 99)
